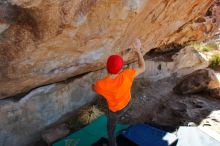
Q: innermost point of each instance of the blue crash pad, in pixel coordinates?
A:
(145, 135)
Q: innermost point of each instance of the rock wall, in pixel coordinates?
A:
(24, 118)
(51, 51)
(46, 41)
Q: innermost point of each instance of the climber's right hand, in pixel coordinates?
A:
(137, 45)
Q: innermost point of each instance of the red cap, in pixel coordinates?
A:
(114, 64)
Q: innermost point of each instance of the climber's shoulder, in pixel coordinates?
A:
(130, 72)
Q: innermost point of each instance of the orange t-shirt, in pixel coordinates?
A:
(117, 91)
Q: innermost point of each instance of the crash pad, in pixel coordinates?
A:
(146, 135)
(89, 134)
(193, 136)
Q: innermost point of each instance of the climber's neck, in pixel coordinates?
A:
(112, 76)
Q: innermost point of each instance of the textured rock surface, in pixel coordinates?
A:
(198, 81)
(189, 60)
(45, 41)
(157, 68)
(53, 134)
(155, 102)
(22, 121)
(215, 93)
(46, 105)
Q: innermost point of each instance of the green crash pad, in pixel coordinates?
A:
(89, 134)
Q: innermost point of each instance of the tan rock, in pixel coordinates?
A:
(52, 40)
(26, 3)
(189, 60)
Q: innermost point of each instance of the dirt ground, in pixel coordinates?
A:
(156, 103)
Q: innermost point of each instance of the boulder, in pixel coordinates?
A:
(196, 82)
(155, 102)
(188, 60)
(46, 41)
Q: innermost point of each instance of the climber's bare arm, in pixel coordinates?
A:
(141, 63)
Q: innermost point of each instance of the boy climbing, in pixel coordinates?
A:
(116, 88)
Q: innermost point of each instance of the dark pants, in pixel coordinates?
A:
(113, 118)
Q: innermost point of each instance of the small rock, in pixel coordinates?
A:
(54, 134)
(192, 124)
